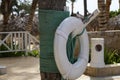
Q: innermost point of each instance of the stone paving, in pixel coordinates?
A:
(27, 68)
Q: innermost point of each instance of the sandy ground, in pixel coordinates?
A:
(27, 68)
(20, 68)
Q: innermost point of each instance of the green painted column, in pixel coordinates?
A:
(49, 20)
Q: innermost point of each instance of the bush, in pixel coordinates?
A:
(10, 54)
(34, 53)
(114, 13)
(111, 56)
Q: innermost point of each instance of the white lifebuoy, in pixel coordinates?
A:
(68, 70)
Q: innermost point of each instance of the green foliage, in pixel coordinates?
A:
(24, 6)
(16, 6)
(10, 54)
(34, 53)
(111, 56)
(114, 13)
(73, 1)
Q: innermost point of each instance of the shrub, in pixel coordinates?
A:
(114, 13)
(111, 56)
(34, 53)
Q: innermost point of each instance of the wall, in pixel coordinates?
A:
(111, 37)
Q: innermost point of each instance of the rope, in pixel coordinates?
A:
(71, 46)
(81, 32)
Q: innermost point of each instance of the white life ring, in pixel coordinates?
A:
(67, 69)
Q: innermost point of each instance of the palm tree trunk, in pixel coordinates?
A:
(51, 5)
(6, 9)
(5, 18)
(102, 16)
(108, 3)
(33, 8)
(85, 8)
(119, 4)
(72, 8)
(50, 76)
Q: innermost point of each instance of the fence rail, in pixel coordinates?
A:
(18, 41)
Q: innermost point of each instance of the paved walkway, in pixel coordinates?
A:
(27, 68)
(20, 68)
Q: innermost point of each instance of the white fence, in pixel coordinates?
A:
(18, 41)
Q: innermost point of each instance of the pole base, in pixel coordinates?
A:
(3, 70)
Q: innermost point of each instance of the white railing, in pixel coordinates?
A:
(18, 41)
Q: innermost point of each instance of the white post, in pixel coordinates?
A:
(97, 52)
(3, 70)
(26, 39)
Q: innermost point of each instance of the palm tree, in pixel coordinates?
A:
(52, 4)
(6, 9)
(119, 4)
(102, 16)
(85, 8)
(33, 8)
(72, 5)
(108, 3)
(57, 5)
